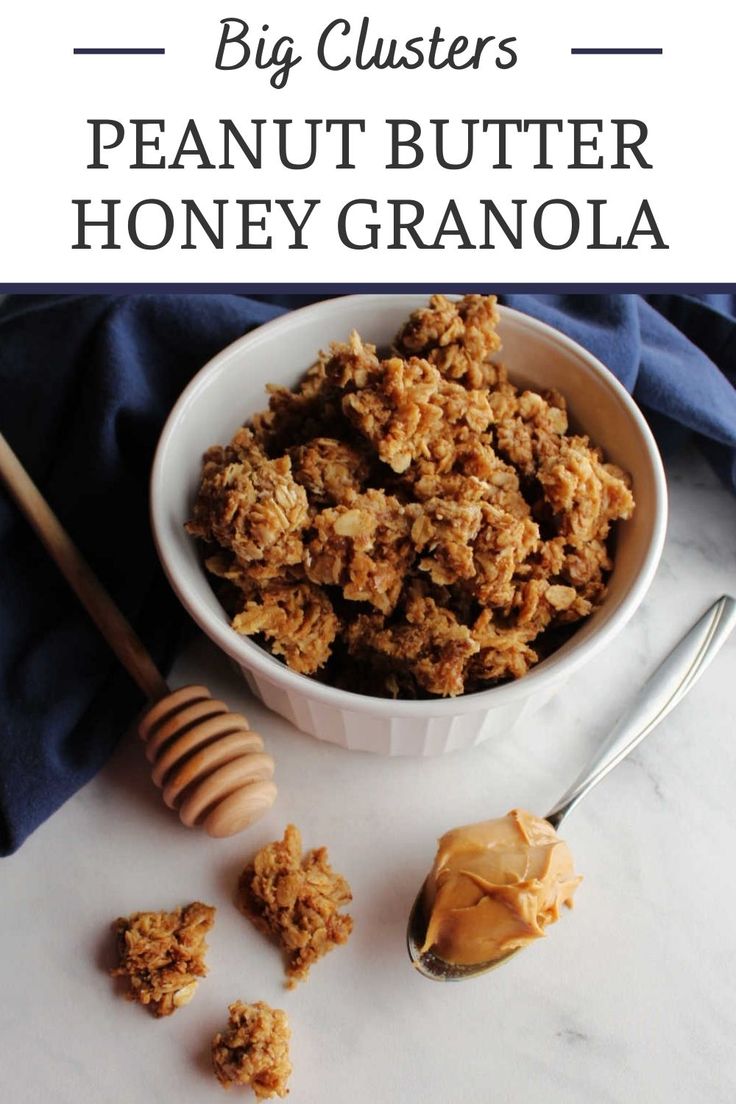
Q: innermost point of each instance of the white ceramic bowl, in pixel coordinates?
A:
(231, 388)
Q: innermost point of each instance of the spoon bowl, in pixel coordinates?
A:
(429, 964)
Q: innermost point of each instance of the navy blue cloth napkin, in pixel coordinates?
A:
(85, 385)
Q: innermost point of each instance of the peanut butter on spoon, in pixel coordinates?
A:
(495, 886)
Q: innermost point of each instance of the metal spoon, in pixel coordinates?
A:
(664, 690)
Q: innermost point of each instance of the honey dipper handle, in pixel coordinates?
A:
(117, 631)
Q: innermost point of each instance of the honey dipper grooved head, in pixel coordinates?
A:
(211, 767)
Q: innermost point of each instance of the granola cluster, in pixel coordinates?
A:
(254, 1050)
(162, 955)
(413, 524)
(297, 900)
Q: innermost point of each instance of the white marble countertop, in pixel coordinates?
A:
(629, 999)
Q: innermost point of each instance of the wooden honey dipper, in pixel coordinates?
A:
(208, 763)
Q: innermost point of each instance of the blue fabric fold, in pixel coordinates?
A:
(85, 385)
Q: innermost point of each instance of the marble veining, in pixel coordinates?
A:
(629, 998)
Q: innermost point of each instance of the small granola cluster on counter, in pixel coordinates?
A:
(254, 1050)
(294, 898)
(162, 955)
(297, 901)
(411, 525)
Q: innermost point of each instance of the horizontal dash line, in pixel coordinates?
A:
(118, 50)
(616, 50)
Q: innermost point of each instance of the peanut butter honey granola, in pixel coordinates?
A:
(297, 900)
(253, 1050)
(411, 524)
(162, 955)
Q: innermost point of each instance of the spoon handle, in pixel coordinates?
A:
(660, 694)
